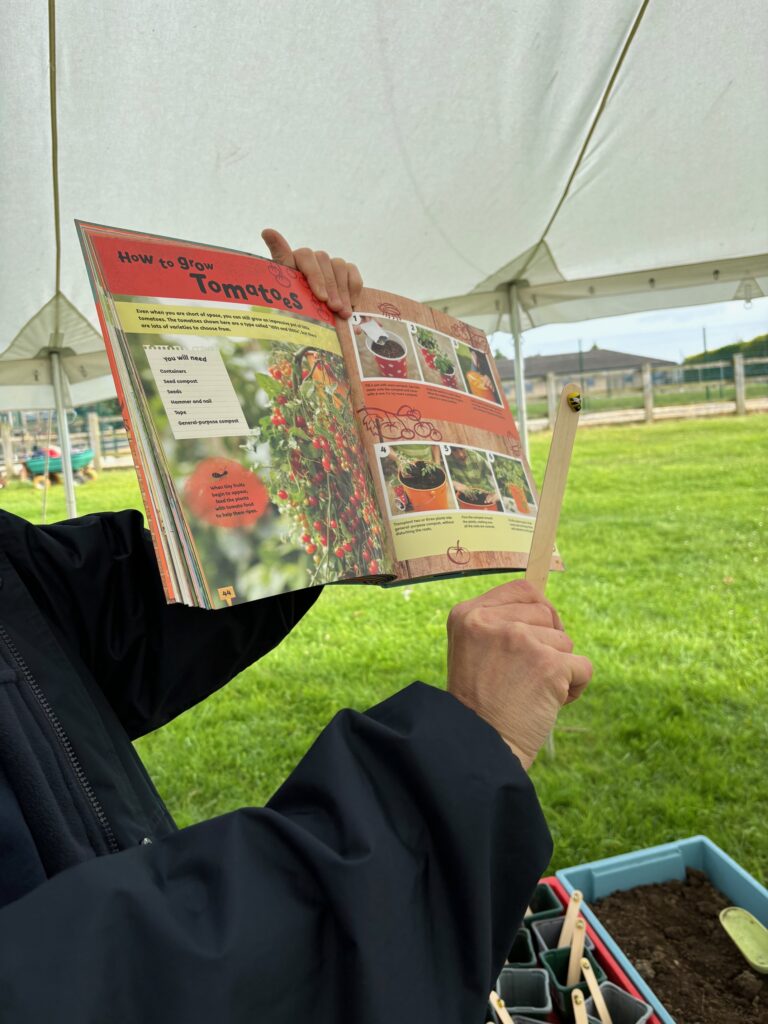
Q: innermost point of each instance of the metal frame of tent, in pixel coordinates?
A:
(607, 296)
(655, 288)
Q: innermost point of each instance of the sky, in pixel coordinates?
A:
(660, 334)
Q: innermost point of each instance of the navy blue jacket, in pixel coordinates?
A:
(383, 882)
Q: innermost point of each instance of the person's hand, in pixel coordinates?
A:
(510, 661)
(332, 280)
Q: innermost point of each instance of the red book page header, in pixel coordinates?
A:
(134, 264)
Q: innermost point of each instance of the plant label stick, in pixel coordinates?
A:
(553, 487)
(577, 952)
(594, 991)
(574, 905)
(498, 1005)
(579, 1009)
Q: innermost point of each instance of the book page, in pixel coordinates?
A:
(441, 440)
(244, 402)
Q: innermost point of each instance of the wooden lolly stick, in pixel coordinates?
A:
(574, 906)
(498, 1005)
(553, 487)
(577, 952)
(594, 991)
(579, 1009)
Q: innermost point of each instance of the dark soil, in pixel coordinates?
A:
(432, 476)
(672, 934)
(476, 497)
(389, 348)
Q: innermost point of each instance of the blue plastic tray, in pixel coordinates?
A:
(661, 864)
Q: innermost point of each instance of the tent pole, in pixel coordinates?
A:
(61, 419)
(514, 319)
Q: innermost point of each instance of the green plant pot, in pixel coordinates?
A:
(547, 934)
(522, 953)
(544, 904)
(555, 963)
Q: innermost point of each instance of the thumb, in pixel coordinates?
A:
(279, 249)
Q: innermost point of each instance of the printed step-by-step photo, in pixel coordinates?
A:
(415, 479)
(438, 358)
(477, 373)
(472, 479)
(453, 478)
(384, 348)
(514, 486)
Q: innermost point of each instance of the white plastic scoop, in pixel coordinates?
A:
(373, 330)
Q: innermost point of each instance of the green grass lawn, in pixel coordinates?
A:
(664, 533)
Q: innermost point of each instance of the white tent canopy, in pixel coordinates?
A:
(448, 148)
(26, 373)
(56, 361)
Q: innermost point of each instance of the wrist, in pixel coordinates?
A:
(525, 759)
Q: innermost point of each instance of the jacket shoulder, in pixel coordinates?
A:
(72, 542)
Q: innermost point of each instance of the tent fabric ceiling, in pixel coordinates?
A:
(430, 143)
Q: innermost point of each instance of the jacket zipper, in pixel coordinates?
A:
(58, 728)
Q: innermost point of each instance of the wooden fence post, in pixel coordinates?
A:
(7, 449)
(553, 400)
(648, 392)
(738, 380)
(94, 439)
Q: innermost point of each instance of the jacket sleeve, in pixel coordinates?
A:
(96, 580)
(383, 882)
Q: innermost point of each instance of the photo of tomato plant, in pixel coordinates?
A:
(301, 508)
(415, 479)
(473, 480)
(319, 476)
(438, 358)
(514, 486)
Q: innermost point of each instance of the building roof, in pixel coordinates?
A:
(592, 361)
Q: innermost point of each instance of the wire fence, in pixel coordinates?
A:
(33, 434)
(737, 381)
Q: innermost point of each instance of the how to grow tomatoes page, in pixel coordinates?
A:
(278, 446)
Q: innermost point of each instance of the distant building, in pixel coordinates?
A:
(596, 369)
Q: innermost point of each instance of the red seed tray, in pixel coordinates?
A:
(612, 969)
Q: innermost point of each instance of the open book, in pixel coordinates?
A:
(278, 446)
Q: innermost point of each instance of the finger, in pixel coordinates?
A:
(580, 669)
(279, 249)
(324, 262)
(552, 638)
(518, 592)
(341, 274)
(355, 284)
(528, 614)
(575, 691)
(306, 262)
